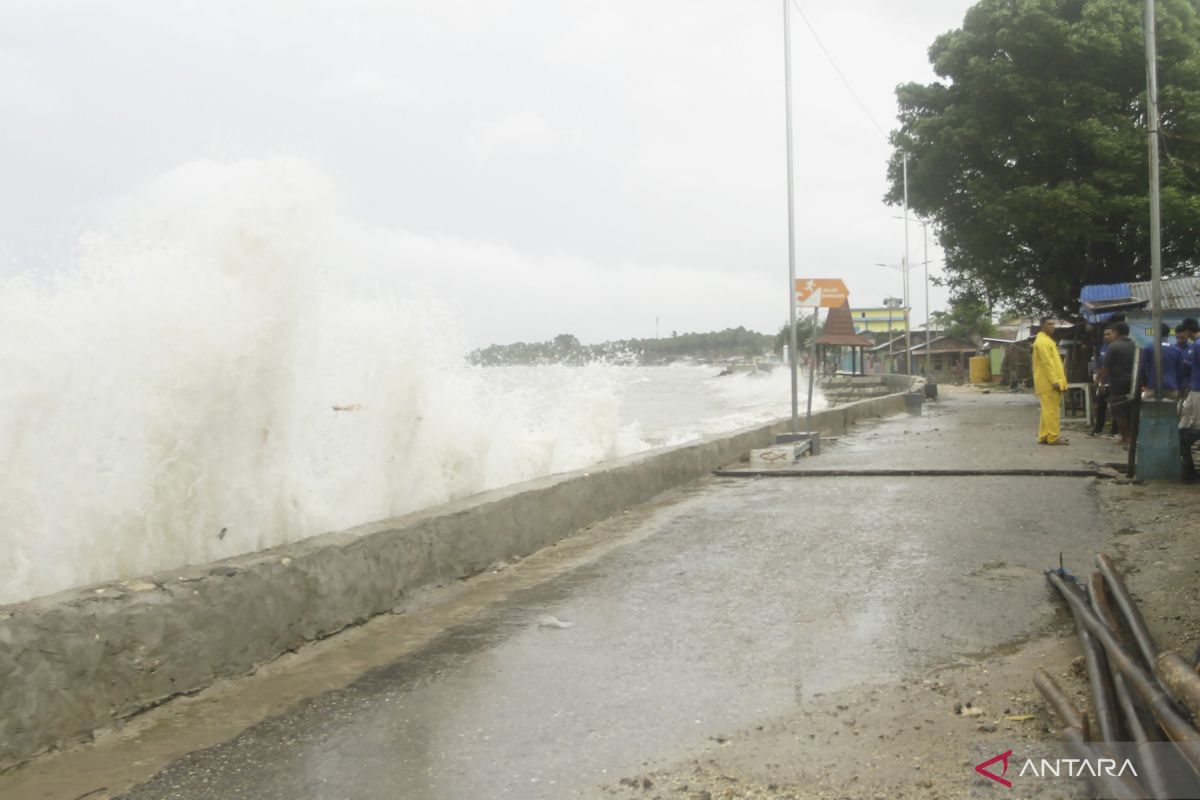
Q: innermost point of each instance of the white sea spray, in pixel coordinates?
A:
(169, 396)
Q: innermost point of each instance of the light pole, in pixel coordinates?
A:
(904, 307)
(891, 304)
(787, 88)
(1152, 133)
(925, 263)
(1157, 453)
(907, 340)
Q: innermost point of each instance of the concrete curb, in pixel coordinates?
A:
(75, 662)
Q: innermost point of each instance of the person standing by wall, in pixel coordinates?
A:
(1183, 342)
(1117, 372)
(1172, 367)
(1100, 387)
(1189, 406)
(1049, 383)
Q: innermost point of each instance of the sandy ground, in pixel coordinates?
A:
(906, 739)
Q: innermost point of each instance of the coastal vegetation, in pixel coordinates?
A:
(731, 343)
(1029, 152)
(968, 318)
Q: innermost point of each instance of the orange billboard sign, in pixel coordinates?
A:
(820, 292)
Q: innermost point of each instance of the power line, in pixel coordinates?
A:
(833, 64)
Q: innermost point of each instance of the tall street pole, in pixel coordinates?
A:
(787, 88)
(928, 330)
(812, 375)
(1155, 220)
(907, 341)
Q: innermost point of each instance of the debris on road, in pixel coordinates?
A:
(1138, 694)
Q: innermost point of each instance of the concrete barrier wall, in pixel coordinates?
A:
(898, 383)
(76, 661)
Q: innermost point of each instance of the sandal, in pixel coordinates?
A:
(1058, 441)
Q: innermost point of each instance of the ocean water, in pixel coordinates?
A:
(682, 402)
(651, 406)
(207, 377)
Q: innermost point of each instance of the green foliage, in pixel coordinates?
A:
(804, 334)
(566, 349)
(1030, 154)
(566, 342)
(969, 318)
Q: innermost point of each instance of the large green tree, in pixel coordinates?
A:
(804, 333)
(968, 318)
(1030, 153)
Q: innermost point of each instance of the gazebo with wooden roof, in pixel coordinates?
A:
(839, 332)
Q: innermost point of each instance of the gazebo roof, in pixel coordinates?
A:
(839, 329)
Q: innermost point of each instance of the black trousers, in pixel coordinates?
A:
(1100, 408)
(1187, 438)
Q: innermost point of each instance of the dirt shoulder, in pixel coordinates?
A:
(921, 737)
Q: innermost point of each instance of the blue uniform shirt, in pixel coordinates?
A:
(1192, 362)
(1172, 364)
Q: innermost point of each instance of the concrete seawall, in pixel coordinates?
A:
(77, 661)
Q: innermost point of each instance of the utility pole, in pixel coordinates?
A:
(925, 242)
(928, 330)
(1152, 125)
(1156, 456)
(907, 340)
(891, 303)
(793, 356)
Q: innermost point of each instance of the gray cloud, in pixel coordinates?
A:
(597, 149)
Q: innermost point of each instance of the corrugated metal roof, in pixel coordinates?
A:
(1027, 329)
(1178, 294)
(898, 341)
(1104, 291)
(1108, 306)
(1099, 292)
(947, 344)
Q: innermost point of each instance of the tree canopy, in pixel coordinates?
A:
(804, 334)
(1029, 155)
(968, 318)
(566, 349)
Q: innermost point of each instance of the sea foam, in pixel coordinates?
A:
(207, 378)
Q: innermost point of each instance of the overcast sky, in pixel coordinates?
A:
(545, 166)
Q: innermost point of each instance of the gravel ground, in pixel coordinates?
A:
(921, 737)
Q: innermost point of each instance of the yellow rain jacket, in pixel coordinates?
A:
(1047, 365)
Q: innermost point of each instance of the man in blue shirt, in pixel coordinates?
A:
(1189, 407)
(1100, 407)
(1172, 367)
(1183, 340)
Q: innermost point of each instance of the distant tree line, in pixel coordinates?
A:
(566, 349)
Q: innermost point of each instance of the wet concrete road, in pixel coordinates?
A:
(720, 608)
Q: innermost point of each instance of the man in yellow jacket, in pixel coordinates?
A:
(1049, 382)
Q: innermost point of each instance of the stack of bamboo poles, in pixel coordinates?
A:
(1139, 695)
